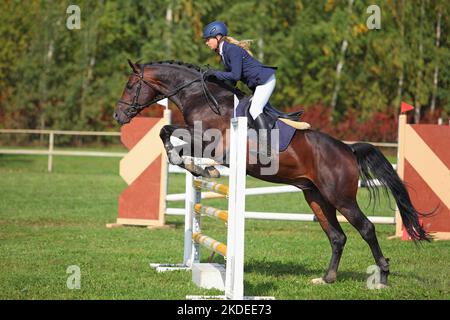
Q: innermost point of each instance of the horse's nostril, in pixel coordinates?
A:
(115, 115)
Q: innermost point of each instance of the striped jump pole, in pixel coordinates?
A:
(210, 243)
(211, 185)
(211, 212)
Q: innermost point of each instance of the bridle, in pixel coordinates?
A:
(135, 107)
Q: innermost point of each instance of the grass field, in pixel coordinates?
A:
(49, 222)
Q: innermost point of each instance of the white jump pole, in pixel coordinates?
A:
(191, 253)
(191, 223)
(234, 281)
(234, 273)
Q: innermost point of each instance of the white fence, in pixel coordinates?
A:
(50, 152)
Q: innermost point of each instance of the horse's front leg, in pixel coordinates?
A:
(174, 154)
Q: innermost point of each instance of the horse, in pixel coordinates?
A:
(324, 168)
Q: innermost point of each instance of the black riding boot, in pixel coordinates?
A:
(263, 131)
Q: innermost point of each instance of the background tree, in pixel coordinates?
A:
(328, 61)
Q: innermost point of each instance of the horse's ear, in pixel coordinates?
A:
(133, 66)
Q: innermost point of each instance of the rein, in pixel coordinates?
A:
(135, 107)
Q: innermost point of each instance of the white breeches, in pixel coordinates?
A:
(261, 96)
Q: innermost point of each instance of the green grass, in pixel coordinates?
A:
(51, 221)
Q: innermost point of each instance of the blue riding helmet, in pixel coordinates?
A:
(215, 28)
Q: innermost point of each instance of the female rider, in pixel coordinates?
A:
(241, 65)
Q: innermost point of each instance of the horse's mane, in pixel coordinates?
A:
(191, 66)
(174, 62)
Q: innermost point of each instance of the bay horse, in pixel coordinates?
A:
(325, 169)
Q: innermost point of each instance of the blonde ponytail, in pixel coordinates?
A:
(244, 44)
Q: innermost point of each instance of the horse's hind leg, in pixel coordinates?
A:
(326, 215)
(356, 217)
(338, 184)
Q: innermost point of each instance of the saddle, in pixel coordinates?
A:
(271, 113)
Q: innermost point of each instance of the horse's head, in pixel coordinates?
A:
(154, 81)
(138, 94)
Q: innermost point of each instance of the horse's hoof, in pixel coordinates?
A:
(213, 172)
(318, 281)
(194, 169)
(197, 170)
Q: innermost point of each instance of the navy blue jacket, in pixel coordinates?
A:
(239, 65)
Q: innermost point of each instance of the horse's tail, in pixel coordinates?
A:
(372, 162)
